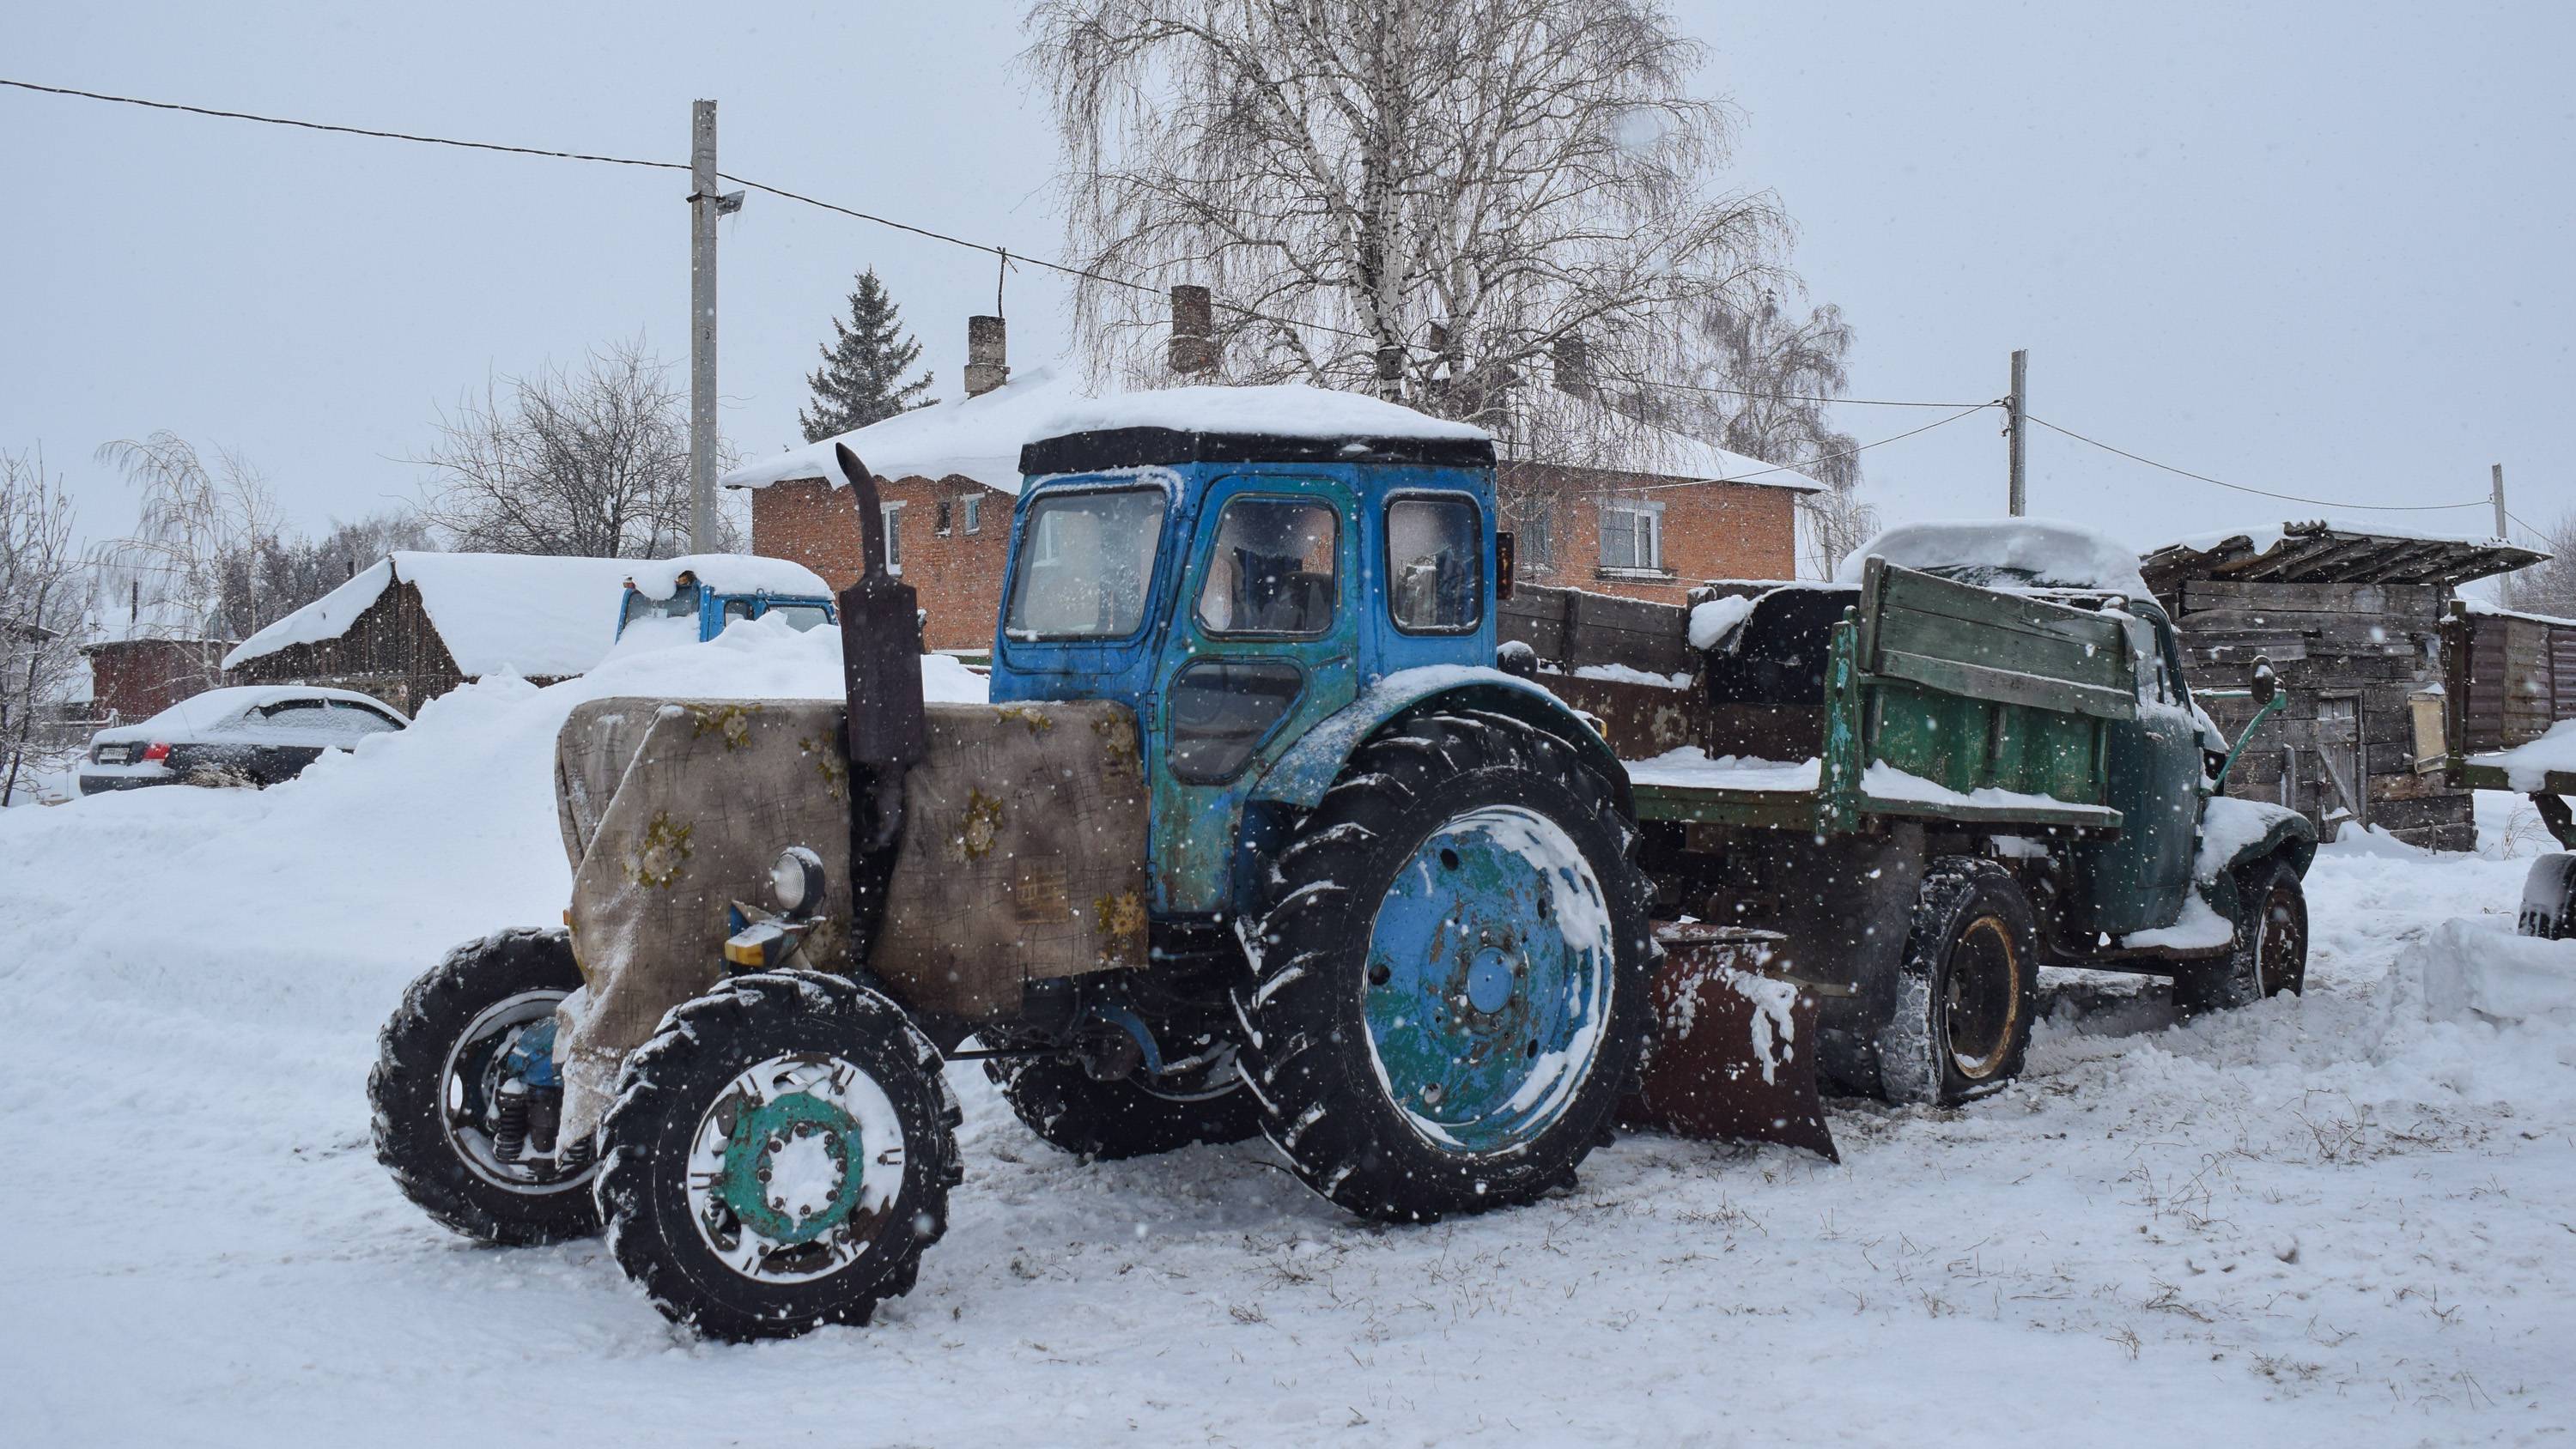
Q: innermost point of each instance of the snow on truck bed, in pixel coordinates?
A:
(2336, 1219)
(2046, 553)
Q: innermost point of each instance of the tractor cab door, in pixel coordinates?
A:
(2139, 880)
(1263, 644)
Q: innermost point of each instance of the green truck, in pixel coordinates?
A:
(1913, 787)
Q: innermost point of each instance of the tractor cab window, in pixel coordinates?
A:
(683, 604)
(1273, 569)
(799, 617)
(1435, 564)
(735, 609)
(1086, 565)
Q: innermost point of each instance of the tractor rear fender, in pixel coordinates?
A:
(1310, 766)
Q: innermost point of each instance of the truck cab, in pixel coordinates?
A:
(694, 598)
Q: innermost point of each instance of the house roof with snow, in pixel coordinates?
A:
(968, 437)
(1551, 426)
(535, 616)
(982, 437)
(2330, 552)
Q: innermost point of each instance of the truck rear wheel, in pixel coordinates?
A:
(1450, 991)
(1967, 989)
(778, 1157)
(465, 1094)
(1072, 1111)
(2549, 899)
(2270, 952)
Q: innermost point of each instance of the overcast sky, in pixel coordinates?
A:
(2323, 249)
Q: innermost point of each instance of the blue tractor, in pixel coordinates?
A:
(1253, 837)
(695, 597)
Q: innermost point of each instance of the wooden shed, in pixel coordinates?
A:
(2514, 673)
(413, 626)
(2352, 621)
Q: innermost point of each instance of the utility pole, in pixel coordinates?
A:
(705, 205)
(2499, 501)
(2018, 500)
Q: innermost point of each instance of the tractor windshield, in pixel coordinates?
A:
(683, 604)
(1086, 564)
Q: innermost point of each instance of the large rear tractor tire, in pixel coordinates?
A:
(465, 1094)
(2270, 952)
(1967, 989)
(1450, 988)
(1140, 1116)
(778, 1157)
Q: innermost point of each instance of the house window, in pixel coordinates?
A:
(1632, 536)
(894, 537)
(1536, 538)
(940, 520)
(974, 514)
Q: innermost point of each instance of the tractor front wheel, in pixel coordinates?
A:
(466, 1097)
(778, 1157)
(1450, 990)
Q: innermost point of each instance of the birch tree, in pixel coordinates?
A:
(176, 574)
(1417, 198)
(42, 595)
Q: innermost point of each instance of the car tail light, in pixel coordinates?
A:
(158, 751)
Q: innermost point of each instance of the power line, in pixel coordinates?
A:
(784, 194)
(2258, 492)
(1829, 457)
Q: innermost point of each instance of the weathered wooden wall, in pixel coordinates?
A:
(390, 651)
(2517, 677)
(1573, 629)
(2352, 657)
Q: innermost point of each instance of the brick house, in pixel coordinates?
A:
(1599, 501)
(946, 476)
(149, 654)
(1596, 500)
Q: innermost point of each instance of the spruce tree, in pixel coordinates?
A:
(861, 380)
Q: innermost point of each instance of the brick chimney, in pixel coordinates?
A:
(987, 365)
(1574, 366)
(1193, 345)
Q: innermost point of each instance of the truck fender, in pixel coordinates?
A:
(1309, 767)
(2235, 832)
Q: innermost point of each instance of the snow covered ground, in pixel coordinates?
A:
(2348, 1219)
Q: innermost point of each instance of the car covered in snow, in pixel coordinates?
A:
(252, 735)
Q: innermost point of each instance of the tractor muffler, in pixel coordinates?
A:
(1734, 1055)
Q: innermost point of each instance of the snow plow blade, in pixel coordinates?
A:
(1734, 1053)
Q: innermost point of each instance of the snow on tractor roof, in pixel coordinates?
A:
(2016, 552)
(536, 616)
(727, 573)
(966, 437)
(1278, 423)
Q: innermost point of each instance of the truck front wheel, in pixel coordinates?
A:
(2270, 951)
(1967, 989)
(778, 1157)
(1450, 991)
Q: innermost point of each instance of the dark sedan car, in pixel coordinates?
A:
(249, 735)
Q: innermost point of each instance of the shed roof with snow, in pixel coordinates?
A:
(2330, 552)
(532, 615)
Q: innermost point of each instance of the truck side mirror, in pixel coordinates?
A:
(2263, 684)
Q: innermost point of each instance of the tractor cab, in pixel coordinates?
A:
(692, 599)
(1238, 588)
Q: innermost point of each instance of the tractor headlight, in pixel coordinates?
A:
(796, 879)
